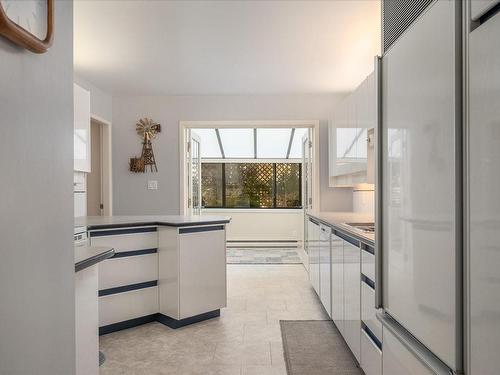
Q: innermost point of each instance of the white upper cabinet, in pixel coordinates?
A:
(348, 134)
(81, 135)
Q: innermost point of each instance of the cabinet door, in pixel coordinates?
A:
(314, 276)
(202, 270)
(352, 296)
(325, 269)
(337, 286)
(81, 135)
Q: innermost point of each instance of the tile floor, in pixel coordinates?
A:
(262, 255)
(244, 340)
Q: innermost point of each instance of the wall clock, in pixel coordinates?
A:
(28, 23)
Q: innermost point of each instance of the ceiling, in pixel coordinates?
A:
(225, 47)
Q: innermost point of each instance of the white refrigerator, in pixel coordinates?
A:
(419, 207)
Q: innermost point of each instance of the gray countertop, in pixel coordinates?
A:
(338, 220)
(108, 222)
(87, 256)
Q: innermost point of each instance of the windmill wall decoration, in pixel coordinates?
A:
(147, 129)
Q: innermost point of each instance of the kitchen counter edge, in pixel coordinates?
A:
(89, 256)
(337, 221)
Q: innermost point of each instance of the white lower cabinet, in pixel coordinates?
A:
(368, 311)
(192, 278)
(124, 306)
(398, 360)
(371, 354)
(337, 282)
(117, 272)
(325, 268)
(313, 241)
(352, 297)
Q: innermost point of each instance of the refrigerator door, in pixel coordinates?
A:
(484, 201)
(419, 153)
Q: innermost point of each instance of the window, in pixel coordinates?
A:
(251, 185)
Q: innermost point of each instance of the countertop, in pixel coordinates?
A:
(108, 222)
(338, 220)
(86, 256)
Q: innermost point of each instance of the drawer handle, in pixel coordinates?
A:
(371, 337)
(201, 229)
(127, 288)
(368, 281)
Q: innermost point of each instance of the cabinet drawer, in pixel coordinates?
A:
(123, 241)
(368, 311)
(128, 270)
(371, 355)
(128, 305)
(368, 263)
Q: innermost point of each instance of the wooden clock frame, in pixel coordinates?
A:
(23, 38)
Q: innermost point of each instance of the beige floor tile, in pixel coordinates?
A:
(277, 354)
(244, 340)
(263, 370)
(261, 333)
(246, 353)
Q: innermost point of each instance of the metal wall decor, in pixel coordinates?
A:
(147, 129)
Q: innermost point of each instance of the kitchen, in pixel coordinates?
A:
(398, 262)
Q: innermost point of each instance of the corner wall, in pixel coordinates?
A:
(37, 308)
(130, 192)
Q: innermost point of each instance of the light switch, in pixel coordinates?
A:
(152, 185)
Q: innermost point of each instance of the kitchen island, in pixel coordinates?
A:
(170, 269)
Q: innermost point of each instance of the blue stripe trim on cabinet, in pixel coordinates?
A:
(127, 288)
(368, 281)
(201, 229)
(115, 232)
(368, 249)
(313, 221)
(132, 253)
(174, 323)
(371, 335)
(127, 324)
(348, 239)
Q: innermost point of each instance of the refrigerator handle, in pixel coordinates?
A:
(379, 301)
(420, 352)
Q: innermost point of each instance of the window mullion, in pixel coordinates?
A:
(223, 185)
(274, 185)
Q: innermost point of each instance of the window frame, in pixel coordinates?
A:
(274, 191)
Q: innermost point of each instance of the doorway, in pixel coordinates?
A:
(99, 193)
(259, 174)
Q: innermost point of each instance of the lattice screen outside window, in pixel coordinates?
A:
(251, 185)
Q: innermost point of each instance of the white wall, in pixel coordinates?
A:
(364, 201)
(259, 225)
(36, 206)
(130, 193)
(101, 103)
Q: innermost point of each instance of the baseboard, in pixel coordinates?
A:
(163, 319)
(174, 323)
(263, 243)
(127, 324)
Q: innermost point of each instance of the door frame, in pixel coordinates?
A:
(183, 137)
(106, 164)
